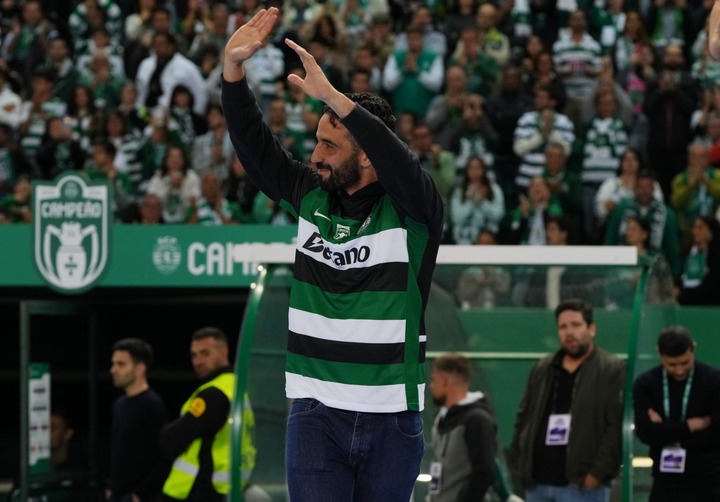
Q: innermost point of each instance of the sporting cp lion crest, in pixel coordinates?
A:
(71, 220)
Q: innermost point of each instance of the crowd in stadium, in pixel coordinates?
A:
(540, 121)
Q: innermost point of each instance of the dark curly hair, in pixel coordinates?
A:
(372, 103)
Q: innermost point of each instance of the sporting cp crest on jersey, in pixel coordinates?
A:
(71, 220)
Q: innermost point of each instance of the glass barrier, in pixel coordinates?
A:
(655, 310)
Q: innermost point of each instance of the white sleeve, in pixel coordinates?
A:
(603, 194)
(391, 75)
(432, 79)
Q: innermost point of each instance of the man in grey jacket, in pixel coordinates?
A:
(567, 439)
(463, 436)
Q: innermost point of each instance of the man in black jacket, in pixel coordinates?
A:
(677, 414)
(566, 444)
(137, 467)
(463, 436)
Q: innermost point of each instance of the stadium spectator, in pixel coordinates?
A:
(365, 60)
(699, 284)
(212, 208)
(16, 207)
(460, 16)
(620, 187)
(161, 72)
(669, 24)
(695, 192)
(147, 212)
(102, 167)
(664, 233)
(439, 163)
(158, 136)
(381, 38)
(577, 60)
(212, 151)
(504, 108)
(540, 71)
(534, 130)
(10, 103)
(444, 115)
(127, 145)
(484, 286)
(413, 77)
(322, 50)
(59, 152)
(303, 115)
(35, 111)
(212, 30)
(184, 120)
(495, 43)
(62, 66)
(669, 104)
(139, 48)
(241, 190)
(475, 135)
(481, 69)
(136, 117)
(82, 117)
(564, 185)
(90, 15)
(622, 283)
(264, 71)
(177, 185)
(433, 41)
(13, 163)
(604, 142)
(628, 46)
(477, 204)
(529, 218)
(23, 48)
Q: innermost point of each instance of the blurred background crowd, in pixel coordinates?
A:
(543, 122)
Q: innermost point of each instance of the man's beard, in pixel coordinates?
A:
(579, 352)
(341, 177)
(439, 400)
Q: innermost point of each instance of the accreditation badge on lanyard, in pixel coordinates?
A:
(435, 485)
(558, 430)
(672, 458)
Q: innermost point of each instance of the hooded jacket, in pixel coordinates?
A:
(464, 442)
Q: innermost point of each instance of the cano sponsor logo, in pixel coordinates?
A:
(71, 225)
(350, 256)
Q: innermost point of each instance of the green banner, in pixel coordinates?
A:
(175, 256)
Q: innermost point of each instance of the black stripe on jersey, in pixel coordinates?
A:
(383, 277)
(346, 352)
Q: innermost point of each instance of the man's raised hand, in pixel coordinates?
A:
(246, 41)
(316, 85)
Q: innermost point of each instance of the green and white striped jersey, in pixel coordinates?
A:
(355, 309)
(605, 141)
(577, 55)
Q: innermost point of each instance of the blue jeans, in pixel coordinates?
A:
(346, 456)
(568, 493)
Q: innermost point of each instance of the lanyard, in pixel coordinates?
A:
(686, 395)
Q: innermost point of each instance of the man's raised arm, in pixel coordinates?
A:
(714, 30)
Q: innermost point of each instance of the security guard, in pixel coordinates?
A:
(199, 440)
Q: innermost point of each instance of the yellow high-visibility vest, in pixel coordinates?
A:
(186, 467)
